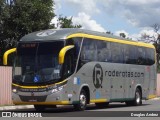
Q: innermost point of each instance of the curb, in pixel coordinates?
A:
(158, 98)
(16, 107)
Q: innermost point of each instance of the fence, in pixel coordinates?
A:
(6, 79)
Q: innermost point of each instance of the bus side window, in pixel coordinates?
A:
(88, 52)
(83, 55)
(147, 56)
(104, 52)
(129, 53)
(116, 53)
(126, 54)
(91, 52)
(150, 56)
(68, 67)
(141, 56)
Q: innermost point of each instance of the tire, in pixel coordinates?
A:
(82, 101)
(102, 105)
(137, 99)
(39, 107)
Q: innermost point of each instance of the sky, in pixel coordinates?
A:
(132, 17)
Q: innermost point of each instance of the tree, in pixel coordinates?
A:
(109, 32)
(155, 39)
(156, 43)
(122, 35)
(20, 17)
(64, 22)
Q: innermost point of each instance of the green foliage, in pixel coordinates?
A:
(65, 22)
(158, 68)
(122, 35)
(157, 46)
(20, 17)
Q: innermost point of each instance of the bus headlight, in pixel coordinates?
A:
(14, 90)
(57, 89)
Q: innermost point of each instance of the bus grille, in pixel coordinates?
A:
(33, 98)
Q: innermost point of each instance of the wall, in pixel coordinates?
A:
(5, 85)
(158, 85)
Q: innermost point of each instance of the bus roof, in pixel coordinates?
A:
(62, 34)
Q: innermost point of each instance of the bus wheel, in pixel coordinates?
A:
(137, 99)
(82, 101)
(39, 107)
(102, 105)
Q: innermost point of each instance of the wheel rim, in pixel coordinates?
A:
(82, 100)
(138, 98)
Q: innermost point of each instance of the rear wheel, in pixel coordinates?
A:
(137, 99)
(82, 101)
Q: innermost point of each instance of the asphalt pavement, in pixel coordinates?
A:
(150, 108)
(19, 107)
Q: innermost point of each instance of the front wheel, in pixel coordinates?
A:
(82, 101)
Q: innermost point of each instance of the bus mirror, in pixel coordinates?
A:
(5, 56)
(63, 52)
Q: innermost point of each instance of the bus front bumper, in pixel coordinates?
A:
(37, 98)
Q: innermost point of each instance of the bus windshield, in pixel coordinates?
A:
(37, 62)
